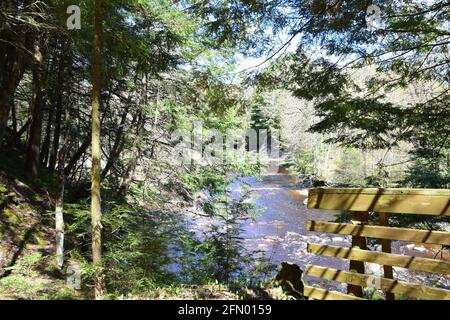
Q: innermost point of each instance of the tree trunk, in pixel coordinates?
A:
(34, 140)
(132, 163)
(52, 65)
(59, 199)
(115, 151)
(46, 143)
(12, 67)
(5, 106)
(56, 135)
(65, 64)
(13, 48)
(14, 116)
(61, 178)
(96, 213)
(77, 155)
(59, 207)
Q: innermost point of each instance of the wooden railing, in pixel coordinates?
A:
(359, 202)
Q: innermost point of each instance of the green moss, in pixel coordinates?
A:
(3, 200)
(37, 197)
(3, 189)
(12, 217)
(39, 238)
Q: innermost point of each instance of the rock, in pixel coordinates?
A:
(420, 249)
(318, 183)
(290, 279)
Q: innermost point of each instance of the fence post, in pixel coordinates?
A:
(358, 217)
(386, 247)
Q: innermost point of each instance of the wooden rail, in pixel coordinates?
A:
(383, 201)
(403, 201)
(391, 233)
(387, 285)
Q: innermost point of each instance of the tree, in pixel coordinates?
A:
(409, 46)
(62, 151)
(96, 210)
(36, 108)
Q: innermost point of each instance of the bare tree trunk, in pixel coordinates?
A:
(96, 213)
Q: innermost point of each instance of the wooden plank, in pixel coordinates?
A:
(396, 260)
(321, 294)
(386, 247)
(359, 218)
(379, 232)
(408, 201)
(387, 191)
(387, 285)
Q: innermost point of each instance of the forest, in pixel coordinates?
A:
(163, 149)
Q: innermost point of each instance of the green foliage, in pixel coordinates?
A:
(304, 163)
(20, 285)
(433, 173)
(25, 266)
(260, 114)
(136, 243)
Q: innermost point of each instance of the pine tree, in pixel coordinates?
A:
(96, 212)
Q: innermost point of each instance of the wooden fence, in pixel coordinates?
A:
(359, 202)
